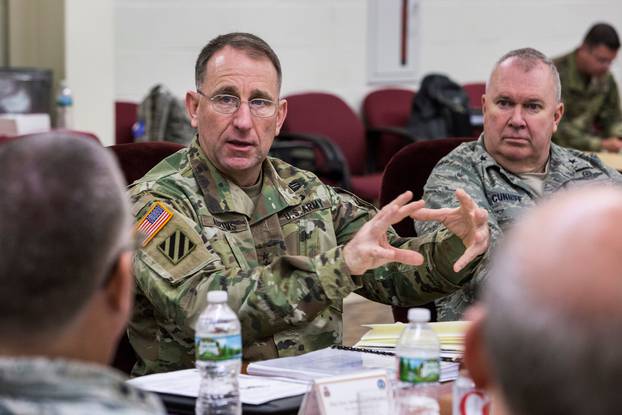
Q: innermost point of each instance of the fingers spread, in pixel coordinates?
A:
(433, 214)
(465, 200)
(408, 257)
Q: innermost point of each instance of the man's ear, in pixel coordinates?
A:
(120, 287)
(280, 115)
(192, 107)
(557, 116)
(475, 358)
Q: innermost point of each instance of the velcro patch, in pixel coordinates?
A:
(176, 247)
(301, 210)
(154, 220)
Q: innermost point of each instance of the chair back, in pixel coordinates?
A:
(409, 169)
(329, 116)
(125, 117)
(136, 159)
(389, 107)
(475, 90)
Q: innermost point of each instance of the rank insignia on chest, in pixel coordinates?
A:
(154, 220)
(176, 247)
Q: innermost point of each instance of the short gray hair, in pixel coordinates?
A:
(65, 219)
(253, 45)
(529, 58)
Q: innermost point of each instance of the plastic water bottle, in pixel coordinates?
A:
(64, 107)
(418, 354)
(467, 399)
(218, 357)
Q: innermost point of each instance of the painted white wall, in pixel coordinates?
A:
(322, 44)
(89, 65)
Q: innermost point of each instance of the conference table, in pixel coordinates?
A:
(183, 405)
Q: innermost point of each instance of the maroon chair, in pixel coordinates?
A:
(6, 138)
(327, 115)
(125, 117)
(409, 170)
(135, 160)
(475, 90)
(386, 113)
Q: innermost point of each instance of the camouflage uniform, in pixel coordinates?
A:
(41, 386)
(280, 260)
(503, 194)
(591, 108)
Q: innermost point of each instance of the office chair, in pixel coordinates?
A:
(125, 115)
(386, 113)
(409, 170)
(329, 116)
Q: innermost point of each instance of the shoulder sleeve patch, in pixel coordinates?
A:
(176, 246)
(154, 220)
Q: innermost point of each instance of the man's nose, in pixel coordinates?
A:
(517, 120)
(242, 118)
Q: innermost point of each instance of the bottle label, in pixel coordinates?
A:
(414, 370)
(217, 348)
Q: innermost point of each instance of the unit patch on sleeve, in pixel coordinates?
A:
(154, 220)
(176, 247)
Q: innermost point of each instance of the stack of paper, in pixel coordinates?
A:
(332, 362)
(450, 333)
(253, 390)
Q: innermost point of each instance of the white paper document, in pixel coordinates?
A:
(254, 390)
(333, 362)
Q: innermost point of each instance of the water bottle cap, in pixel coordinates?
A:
(419, 315)
(217, 297)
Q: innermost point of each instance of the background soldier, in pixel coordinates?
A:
(544, 340)
(593, 119)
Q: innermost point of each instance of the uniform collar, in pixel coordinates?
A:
(222, 195)
(488, 161)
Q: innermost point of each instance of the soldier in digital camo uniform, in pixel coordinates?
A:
(513, 163)
(66, 284)
(593, 118)
(287, 248)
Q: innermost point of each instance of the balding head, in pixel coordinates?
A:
(573, 259)
(552, 321)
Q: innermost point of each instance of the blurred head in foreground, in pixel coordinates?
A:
(65, 251)
(547, 335)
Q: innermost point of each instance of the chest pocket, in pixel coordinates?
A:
(230, 239)
(308, 228)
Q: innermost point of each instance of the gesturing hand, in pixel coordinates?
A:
(468, 221)
(370, 248)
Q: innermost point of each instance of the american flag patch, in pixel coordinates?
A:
(153, 221)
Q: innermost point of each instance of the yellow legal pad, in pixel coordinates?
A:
(450, 333)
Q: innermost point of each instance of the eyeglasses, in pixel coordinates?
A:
(228, 104)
